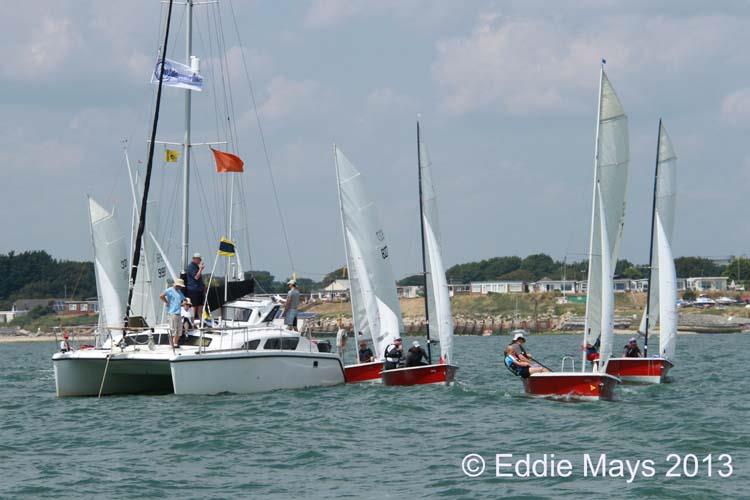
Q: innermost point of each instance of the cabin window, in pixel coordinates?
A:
(236, 313)
(271, 314)
(195, 340)
(287, 344)
(251, 345)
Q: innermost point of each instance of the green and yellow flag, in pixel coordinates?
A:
(226, 248)
(171, 156)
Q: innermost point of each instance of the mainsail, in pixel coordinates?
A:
(610, 179)
(375, 305)
(662, 292)
(110, 266)
(438, 296)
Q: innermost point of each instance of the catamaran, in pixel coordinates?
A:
(376, 312)
(611, 159)
(661, 301)
(436, 295)
(135, 357)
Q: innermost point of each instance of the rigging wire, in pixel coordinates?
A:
(262, 138)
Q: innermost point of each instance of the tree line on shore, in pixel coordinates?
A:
(36, 274)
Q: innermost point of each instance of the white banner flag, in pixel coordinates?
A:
(178, 75)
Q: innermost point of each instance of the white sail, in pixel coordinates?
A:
(608, 299)
(152, 271)
(368, 258)
(665, 274)
(438, 296)
(110, 266)
(610, 180)
(668, 293)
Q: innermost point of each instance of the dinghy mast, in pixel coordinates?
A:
(424, 257)
(651, 246)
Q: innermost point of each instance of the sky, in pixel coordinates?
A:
(506, 91)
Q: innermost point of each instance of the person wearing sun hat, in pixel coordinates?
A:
(631, 349)
(415, 355)
(393, 354)
(173, 298)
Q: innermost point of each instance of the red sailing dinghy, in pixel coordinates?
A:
(661, 303)
(607, 215)
(376, 312)
(437, 297)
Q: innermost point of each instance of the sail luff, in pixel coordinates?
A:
(611, 172)
(371, 265)
(438, 295)
(668, 293)
(608, 304)
(591, 311)
(427, 290)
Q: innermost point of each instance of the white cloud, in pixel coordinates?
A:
(735, 107)
(526, 65)
(327, 13)
(287, 96)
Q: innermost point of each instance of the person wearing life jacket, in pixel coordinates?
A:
(631, 349)
(415, 355)
(523, 369)
(393, 354)
(592, 351)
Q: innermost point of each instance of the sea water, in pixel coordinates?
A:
(370, 441)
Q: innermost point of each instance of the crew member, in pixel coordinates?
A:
(365, 353)
(65, 344)
(518, 347)
(415, 355)
(291, 305)
(631, 349)
(393, 354)
(196, 289)
(173, 298)
(523, 369)
(342, 336)
(186, 314)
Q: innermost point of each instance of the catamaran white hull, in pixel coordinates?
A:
(80, 373)
(247, 372)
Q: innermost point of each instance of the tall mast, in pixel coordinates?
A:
(424, 255)
(593, 211)
(651, 246)
(186, 145)
(147, 181)
(346, 254)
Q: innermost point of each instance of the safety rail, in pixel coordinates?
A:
(572, 363)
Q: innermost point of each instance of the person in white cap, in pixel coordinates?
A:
(631, 349)
(196, 289)
(186, 313)
(517, 345)
(173, 298)
(415, 355)
(291, 305)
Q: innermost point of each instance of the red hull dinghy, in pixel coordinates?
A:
(418, 375)
(363, 372)
(639, 370)
(584, 386)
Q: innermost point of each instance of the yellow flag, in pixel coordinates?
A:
(171, 156)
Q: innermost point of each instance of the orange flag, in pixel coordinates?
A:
(227, 162)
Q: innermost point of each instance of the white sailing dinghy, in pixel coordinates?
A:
(376, 312)
(611, 159)
(437, 297)
(661, 302)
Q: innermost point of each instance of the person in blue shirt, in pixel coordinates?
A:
(173, 298)
(523, 369)
(196, 289)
